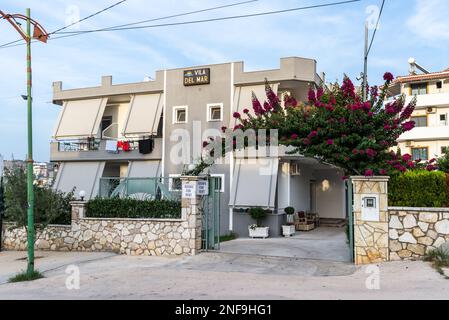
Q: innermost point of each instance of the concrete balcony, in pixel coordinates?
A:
(426, 133)
(82, 151)
(430, 100)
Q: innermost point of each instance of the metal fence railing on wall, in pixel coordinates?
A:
(141, 188)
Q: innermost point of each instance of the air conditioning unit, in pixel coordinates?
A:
(294, 169)
(431, 110)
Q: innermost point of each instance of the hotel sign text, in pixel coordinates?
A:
(197, 77)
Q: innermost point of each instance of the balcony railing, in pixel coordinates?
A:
(79, 145)
(140, 188)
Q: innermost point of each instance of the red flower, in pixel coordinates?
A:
(245, 111)
(369, 173)
(237, 115)
(205, 144)
(408, 125)
(383, 172)
(330, 142)
(406, 157)
(388, 77)
(312, 134)
(224, 129)
(294, 136)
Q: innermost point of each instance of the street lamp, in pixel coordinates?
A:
(40, 34)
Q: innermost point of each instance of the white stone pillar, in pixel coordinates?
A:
(191, 212)
(371, 241)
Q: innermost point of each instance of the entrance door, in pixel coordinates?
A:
(312, 204)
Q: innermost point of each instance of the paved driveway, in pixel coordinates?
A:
(320, 244)
(221, 276)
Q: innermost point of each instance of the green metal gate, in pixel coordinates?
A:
(211, 216)
(349, 208)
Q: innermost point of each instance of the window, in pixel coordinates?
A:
(444, 150)
(443, 120)
(175, 183)
(420, 154)
(180, 114)
(215, 112)
(439, 85)
(220, 185)
(420, 121)
(418, 89)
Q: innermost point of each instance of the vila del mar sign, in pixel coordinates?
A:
(197, 77)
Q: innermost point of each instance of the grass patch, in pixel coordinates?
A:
(23, 277)
(440, 259)
(229, 237)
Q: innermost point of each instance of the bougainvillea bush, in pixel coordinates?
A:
(335, 126)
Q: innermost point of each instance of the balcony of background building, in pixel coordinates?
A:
(95, 150)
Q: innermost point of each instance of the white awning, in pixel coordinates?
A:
(144, 169)
(243, 98)
(81, 176)
(254, 183)
(80, 119)
(144, 115)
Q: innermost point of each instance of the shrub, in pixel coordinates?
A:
(258, 214)
(419, 188)
(443, 162)
(50, 207)
(289, 210)
(133, 209)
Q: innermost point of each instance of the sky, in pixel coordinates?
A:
(333, 36)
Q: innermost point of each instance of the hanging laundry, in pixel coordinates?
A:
(146, 146)
(111, 146)
(124, 146)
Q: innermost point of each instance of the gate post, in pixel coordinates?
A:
(371, 219)
(191, 212)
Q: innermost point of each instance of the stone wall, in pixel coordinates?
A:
(155, 237)
(415, 231)
(131, 237)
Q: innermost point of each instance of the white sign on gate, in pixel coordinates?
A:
(202, 188)
(189, 190)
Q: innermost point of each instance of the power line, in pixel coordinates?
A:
(172, 16)
(88, 17)
(70, 25)
(221, 18)
(377, 26)
(201, 21)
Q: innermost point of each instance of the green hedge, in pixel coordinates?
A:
(418, 188)
(133, 209)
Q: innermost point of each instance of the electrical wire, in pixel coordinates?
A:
(7, 45)
(375, 30)
(199, 21)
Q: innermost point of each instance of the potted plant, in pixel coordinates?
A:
(256, 230)
(289, 230)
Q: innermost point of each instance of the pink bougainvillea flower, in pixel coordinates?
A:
(294, 136)
(383, 172)
(388, 76)
(371, 153)
(312, 134)
(432, 160)
(245, 111)
(311, 96)
(330, 142)
(205, 144)
(237, 115)
(406, 157)
(407, 126)
(369, 173)
(307, 141)
(224, 129)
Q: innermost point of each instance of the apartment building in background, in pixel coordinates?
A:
(430, 138)
(130, 131)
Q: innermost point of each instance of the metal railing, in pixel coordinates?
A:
(79, 145)
(140, 188)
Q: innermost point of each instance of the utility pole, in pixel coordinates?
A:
(365, 68)
(39, 34)
(30, 161)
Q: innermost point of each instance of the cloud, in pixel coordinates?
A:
(429, 20)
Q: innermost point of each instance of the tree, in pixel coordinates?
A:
(335, 126)
(51, 207)
(443, 162)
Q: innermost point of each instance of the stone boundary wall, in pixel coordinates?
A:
(155, 237)
(131, 237)
(415, 231)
